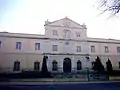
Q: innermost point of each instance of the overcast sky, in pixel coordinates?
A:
(28, 16)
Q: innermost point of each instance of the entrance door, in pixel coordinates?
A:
(67, 65)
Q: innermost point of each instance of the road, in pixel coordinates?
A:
(77, 86)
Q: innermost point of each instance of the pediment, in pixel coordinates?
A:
(65, 22)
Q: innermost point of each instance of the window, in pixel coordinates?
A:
(78, 48)
(18, 45)
(55, 32)
(77, 34)
(0, 44)
(119, 64)
(106, 49)
(54, 66)
(118, 49)
(66, 43)
(79, 66)
(16, 66)
(37, 46)
(92, 48)
(55, 47)
(67, 34)
(36, 66)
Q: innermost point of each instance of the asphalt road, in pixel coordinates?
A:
(80, 86)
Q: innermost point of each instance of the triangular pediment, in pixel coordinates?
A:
(65, 22)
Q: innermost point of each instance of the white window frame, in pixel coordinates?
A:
(67, 43)
(78, 48)
(67, 34)
(18, 45)
(118, 49)
(54, 47)
(106, 49)
(77, 34)
(92, 49)
(55, 32)
(37, 46)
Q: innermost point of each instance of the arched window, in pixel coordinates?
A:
(54, 65)
(79, 66)
(36, 66)
(119, 64)
(16, 66)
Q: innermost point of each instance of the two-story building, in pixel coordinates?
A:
(65, 43)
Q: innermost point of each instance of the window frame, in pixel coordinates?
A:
(92, 49)
(106, 49)
(54, 65)
(55, 32)
(78, 48)
(37, 46)
(78, 34)
(54, 47)
(16, 66)
(119, 64)
(118, 49)
(18, 45)
(67, 43)
(79, 65)
(67, 34)
(36, 66)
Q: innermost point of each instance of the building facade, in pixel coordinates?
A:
(65, 43)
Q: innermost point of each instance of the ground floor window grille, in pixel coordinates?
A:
(16, 66)
(79, 67)
(54, 66)
(36, 66)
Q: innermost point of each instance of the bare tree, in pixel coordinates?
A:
(110, 5)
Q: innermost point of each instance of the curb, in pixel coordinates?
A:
(54, 83)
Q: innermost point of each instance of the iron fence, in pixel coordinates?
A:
(81, 75)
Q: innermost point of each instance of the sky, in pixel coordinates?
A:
(28, 16)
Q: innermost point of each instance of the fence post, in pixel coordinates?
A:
(88, 74)
(107, 75)
(87, 66)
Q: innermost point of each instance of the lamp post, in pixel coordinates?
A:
(87, 67)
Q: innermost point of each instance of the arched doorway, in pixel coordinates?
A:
(67, 65)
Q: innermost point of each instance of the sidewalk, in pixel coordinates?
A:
(50, 81)
(116, 78)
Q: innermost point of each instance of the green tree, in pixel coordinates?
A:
(109, 67)
(98, 65)
(44, 65)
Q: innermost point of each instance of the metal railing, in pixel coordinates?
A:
(84, 74)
